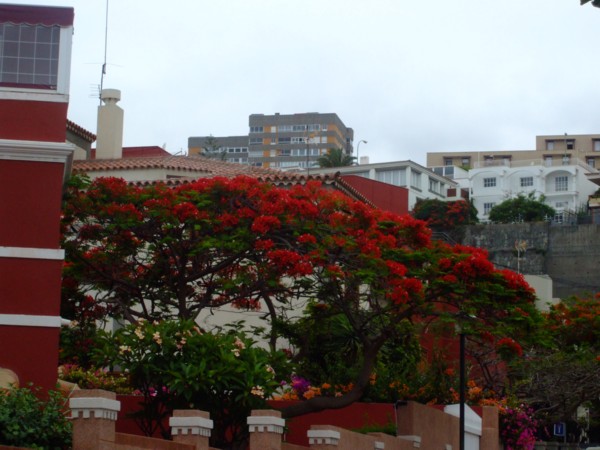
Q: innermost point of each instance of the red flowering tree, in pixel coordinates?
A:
(158, 252)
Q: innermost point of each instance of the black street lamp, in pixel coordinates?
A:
(462, 390)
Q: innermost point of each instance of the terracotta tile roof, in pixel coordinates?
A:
(80, 131)
(191, 168)
(188, 166)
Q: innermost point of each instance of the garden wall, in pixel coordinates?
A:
(94, 413)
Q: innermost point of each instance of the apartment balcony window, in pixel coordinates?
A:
(256, 141)
(596, 145)
(465, 162)
(549, 145)
(448, 161)
(591, 162)
(526, 181)
(570, 144)
(548, 161)
(561, 183)
(489, 182)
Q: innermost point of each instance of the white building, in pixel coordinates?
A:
(422, 183)
(564, 184)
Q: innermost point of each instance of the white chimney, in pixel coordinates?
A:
(109, 137)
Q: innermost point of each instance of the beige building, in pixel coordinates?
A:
(282, 141)
(551, 150)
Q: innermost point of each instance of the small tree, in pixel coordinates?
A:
(212, 148)
(336, 157)
(521, 209)
(445, 215)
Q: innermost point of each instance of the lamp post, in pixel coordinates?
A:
(462, 390)
(357, 150)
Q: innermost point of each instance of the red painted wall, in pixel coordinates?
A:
(385, 196)
(33, 121)
(32, 353)
(33, 285)
(357, 415)
(30, 203)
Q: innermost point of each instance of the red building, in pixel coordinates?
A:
(35, 58)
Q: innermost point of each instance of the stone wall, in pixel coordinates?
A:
(567, 253)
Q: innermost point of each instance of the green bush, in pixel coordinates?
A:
(28, 421)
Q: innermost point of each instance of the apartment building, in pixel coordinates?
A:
(552, 149)
(281, 141)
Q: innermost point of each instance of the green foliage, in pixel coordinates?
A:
(336, 157)
(28, 421)
(521, 209)
(176, 365)
(445, 215)
(389, 428)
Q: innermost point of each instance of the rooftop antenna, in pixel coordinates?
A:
(105, 53)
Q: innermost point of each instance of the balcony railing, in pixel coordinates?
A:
(554, 162)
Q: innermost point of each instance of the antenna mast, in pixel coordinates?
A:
(105, 53)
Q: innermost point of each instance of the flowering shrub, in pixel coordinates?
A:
(174, 364)
(95, 378)
(517, 427)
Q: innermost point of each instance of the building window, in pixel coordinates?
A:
(434, 185)
(415, 179)
(256, 129)
(395, 177)
(526, 181)
(256, 141)
(561, 183)
(447, 161)
(548, 161)
(566, 160)
(489, 182)
(597, 145)
(465, 162)
(487, 207)
(549, 145)
(591, 162)
(284, 128)
(284, 140)
(29, 55)
(570, 144)
(298, 140)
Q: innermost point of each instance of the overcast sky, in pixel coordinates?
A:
(410, 77)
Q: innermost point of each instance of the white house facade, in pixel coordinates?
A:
(565, 184)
